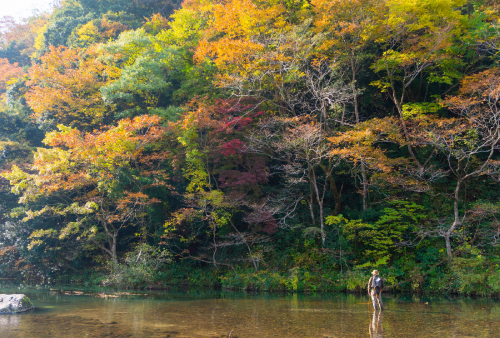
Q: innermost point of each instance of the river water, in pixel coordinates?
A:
(205, 313)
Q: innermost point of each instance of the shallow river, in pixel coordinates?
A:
(196, 313)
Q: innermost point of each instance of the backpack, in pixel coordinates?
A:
(377, 284)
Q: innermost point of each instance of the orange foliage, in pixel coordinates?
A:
(92, 161)
(8, 71)
(230, 36)
(108, 149)
(344, 22)
(66, 86)
(111, 29)
(359, 145)
(478, 91)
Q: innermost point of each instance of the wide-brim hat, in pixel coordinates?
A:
(375, 272)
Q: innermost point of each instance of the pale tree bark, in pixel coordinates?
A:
(456, 219)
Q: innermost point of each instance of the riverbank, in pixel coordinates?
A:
(440, 282)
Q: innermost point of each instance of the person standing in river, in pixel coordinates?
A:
(375, 288)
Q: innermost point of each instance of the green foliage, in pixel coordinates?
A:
(140, 266)
(378, 242)
(419, 109)
(74, 14)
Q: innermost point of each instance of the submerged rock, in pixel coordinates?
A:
(10, 304)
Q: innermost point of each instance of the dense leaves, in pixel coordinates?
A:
(268, 144)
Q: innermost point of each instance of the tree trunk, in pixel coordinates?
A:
(279, 101)
(337, 196)
(406, 133)
(448, 245)
(356, 114)
(321, 215)
(311, 207)
(112, 235)
(456, 219)
(114, 257)
(320, 201)
(399, 107)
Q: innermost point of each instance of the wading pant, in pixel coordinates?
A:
(376, 299)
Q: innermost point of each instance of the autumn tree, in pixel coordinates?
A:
(255, 51)
(414, 36)
(305, 162)
(223, 178)
(344, 34)
(362, 146)
(143, 80)
(98, 181)
(343, 26)
(65, 87)
(471, 141)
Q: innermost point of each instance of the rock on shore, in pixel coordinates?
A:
(10, 304)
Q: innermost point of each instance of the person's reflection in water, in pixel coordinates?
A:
(376, 330)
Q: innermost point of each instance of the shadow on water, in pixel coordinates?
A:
(98, 312)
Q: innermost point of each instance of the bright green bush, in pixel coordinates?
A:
(140, 266)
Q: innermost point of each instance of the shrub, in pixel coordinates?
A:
(140, 266)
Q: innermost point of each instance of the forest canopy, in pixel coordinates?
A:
(276, 145)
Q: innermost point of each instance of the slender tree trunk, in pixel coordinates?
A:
(364, 183)
(399, 107)
(337, 196)
(311, 207)
(356, 112)
(112, 238)
(114, 257)
(321, 215)
(456, 219)
(322, 218)
(320, 205)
